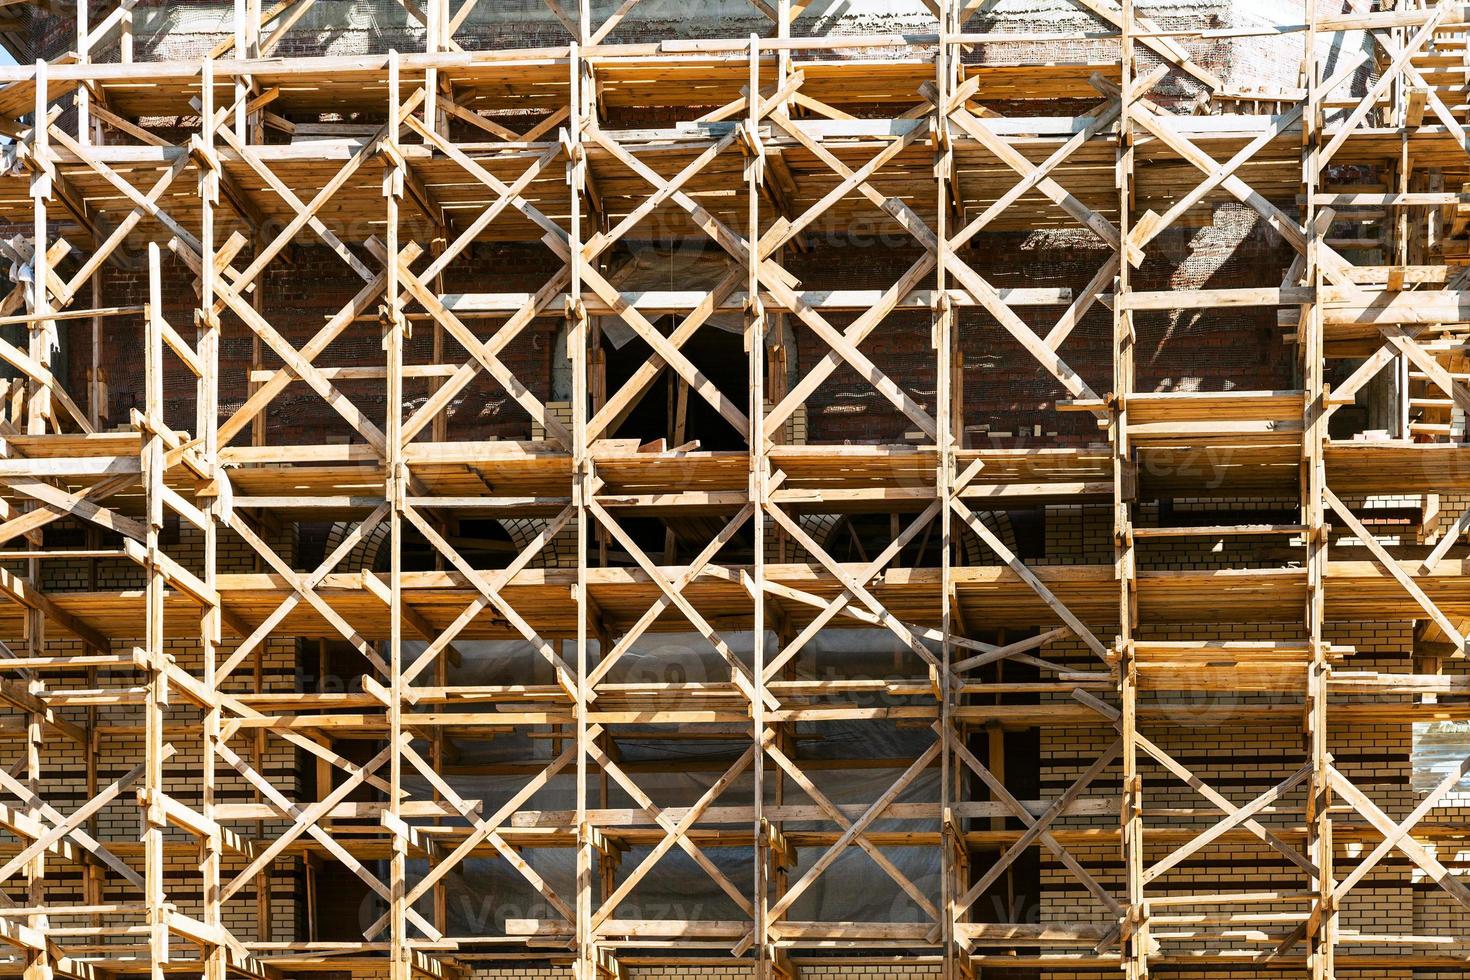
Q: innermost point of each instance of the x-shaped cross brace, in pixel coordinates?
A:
(855, 587)
(305, 820)
(1038, 827)
(486, 829)
(71, 825)
(1395, 835)
(1283, 224)
(665, 349)
(1019, 811)
(304, 587)
(844, 599)
(54, 503)
(660, 605)
(673, 833)
(1399, 835)
(853, 831)
(666, 823)
(77, 833)
(773, 278)
(1401, 64)
(229, 286)
(243, 713)
(488, 585)
(1235, 818)
(1390, 565)
(484, 354)
(1235, 813)
(1034, 178)
(995, 544)
(843, 344)
(740, 674)
(489, 591)
(360, 303)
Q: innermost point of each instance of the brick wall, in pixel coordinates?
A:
(120, 747)
(1006, 390)
(1240, 759)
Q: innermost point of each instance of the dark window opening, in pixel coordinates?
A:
(671, 410)
(719, 356)
(342, 903)
(1014, 756)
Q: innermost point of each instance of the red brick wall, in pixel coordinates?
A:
(1005, 387)
(299, 295)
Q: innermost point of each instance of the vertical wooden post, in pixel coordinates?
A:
(943, 338)
(154, 637)
(257, 759)
(125, 39)
(38, 961)
(576, 316)
(436, 39)
(395, 325)
(247, 45)
(758, 461)
(84, 57)
(1136, 946)
(1321, 935)
(38, 411)
(206, 426)
(96, 389)
(85, 136)
(42, 331)
(783, 32)
(439, 428)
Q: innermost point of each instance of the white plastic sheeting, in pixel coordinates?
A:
(484, 891)
(1440, 748)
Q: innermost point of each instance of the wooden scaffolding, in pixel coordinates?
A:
(749, 147)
